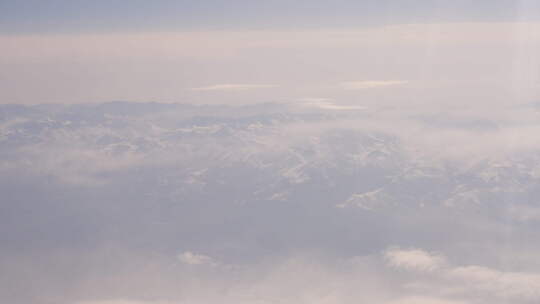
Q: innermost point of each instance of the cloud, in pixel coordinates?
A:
(327, 104)
(516, 285)
(273, 55)
(191, 258)
(472, 281)
(371, 84)
(122, 301)
(233, 87)
(424, 300)
(302, 279)
(414, 259)
(315, 99)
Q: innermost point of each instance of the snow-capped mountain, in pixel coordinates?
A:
(250, 182)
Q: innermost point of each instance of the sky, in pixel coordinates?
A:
(163, 15)
(306, 152)
(165, 51)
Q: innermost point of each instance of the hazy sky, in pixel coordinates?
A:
(254, 51)
(53, 16)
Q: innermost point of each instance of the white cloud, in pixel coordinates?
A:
(370, 84)
(304, 279)
(191, 258)
(473, 281)
(233, 87)
(326, 105)
(122, 301)
(424, 300)
(517, 285)
(414, 259)
(315, 99)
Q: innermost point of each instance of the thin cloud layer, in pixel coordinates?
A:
(328, 104)
(425, 300)
(191, 258)
(233, 87)
(376, 60)
(376, 279)
(468, 282)
(371, 84)
(414, 259)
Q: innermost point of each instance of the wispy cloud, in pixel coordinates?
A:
(370, 84)
(414, 259)
(424, 300)
(327, 104)
(314, 99)
(122, 301)
(191, 258)
(464, 280)
(233, 87)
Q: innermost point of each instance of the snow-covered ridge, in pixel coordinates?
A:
(370, 160)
